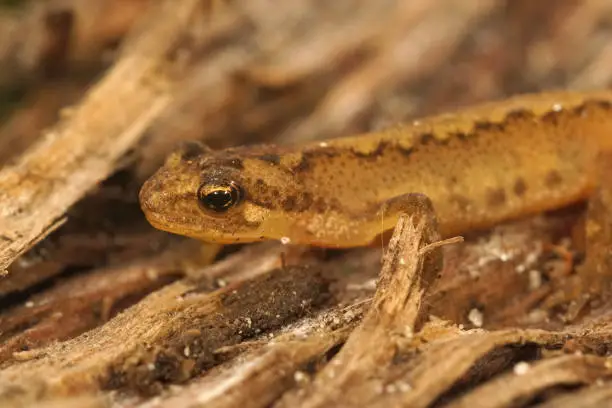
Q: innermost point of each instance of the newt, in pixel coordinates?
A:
(478, 166)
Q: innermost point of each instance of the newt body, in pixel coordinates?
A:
(479, 166)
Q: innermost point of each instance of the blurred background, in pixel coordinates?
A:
(259, 70)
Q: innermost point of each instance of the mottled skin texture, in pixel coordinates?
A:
(479, 166)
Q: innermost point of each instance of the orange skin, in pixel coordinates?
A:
(479, 166)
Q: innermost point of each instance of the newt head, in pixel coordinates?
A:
(225, 196)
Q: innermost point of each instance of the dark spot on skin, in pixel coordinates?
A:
(551, 117)
(263, 195)
(496, 197)
(406, 151)
(306, 201)
(459, 136)
(519, 114)
(334, 204)
(328, 152)
(297, 203)
(303, 166)
(289, 203)
(312, 156)
(191, 150)
(250, 224)
(319, 205)
(453, 180)
(270, 158)
(267, 204)
(520, 187)
(427, 138)
(430, 138)
(553, 179)
(488, 127)
(605, 105)
(579, 110)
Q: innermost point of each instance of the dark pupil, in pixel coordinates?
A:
(219, 200)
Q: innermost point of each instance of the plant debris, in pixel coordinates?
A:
(98, 309)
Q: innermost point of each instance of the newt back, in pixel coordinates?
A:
(479, 166)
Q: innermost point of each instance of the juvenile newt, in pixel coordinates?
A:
(479, 166)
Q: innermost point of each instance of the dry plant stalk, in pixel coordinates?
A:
(594, 396)
(393, 317)
(465, 356)
(83, 148)
(272, 370)
(170, 336)
(511, 389)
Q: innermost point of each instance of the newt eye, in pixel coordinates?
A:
(219, 198)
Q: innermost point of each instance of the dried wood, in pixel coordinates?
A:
(83, 148)
(272, 368)
(40, 39)
(520, 294)
(128, 351)
(463, 359)
(87, 301)
(408, 270)
(527, 381)
(594, 396)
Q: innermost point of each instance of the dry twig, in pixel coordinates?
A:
(168, 337)
(83, 148)
(518, 387)
(394, 315)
